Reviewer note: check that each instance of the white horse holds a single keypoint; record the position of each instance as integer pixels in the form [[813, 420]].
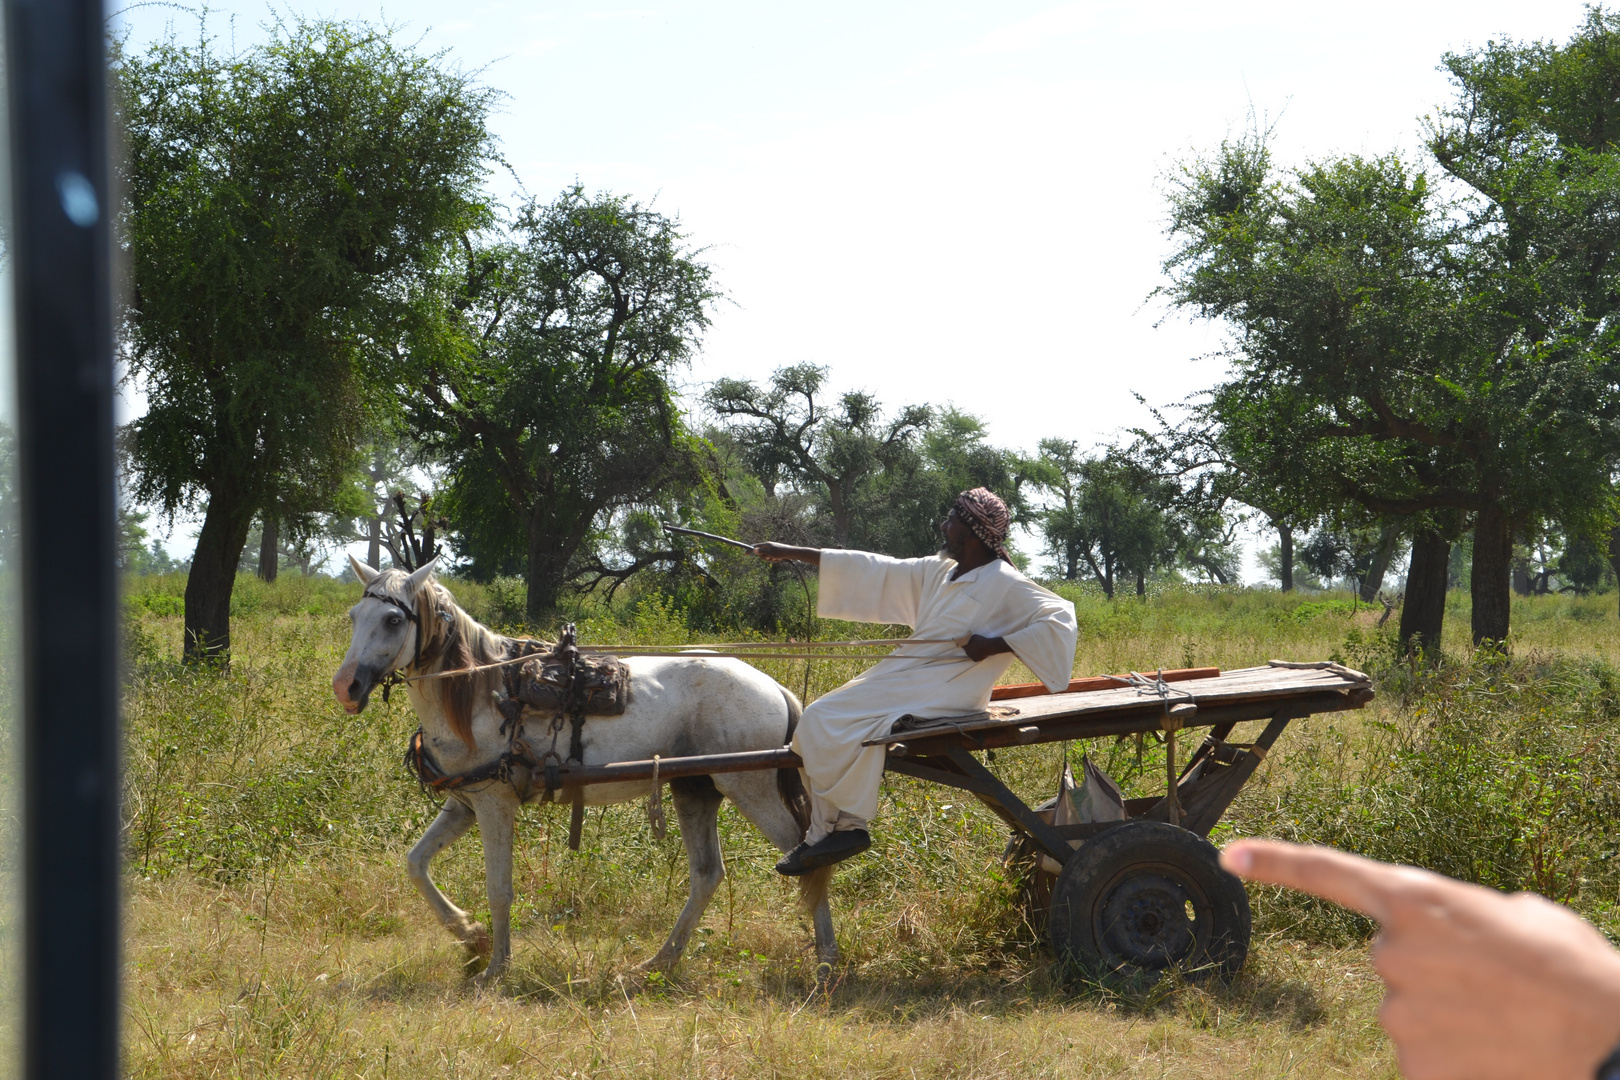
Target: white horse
[[677, 707]]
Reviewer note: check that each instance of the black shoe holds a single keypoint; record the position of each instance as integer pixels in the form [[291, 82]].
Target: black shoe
[[835, 847]]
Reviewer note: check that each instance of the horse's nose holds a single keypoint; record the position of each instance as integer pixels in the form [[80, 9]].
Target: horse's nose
[[346, 685]]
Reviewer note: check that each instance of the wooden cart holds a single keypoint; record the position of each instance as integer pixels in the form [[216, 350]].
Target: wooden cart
[[1144, 893]]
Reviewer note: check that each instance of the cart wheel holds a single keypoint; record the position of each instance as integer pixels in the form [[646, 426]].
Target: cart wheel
[[1147, 896]]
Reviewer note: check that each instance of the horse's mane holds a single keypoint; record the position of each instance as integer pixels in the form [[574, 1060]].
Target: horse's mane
[[449, 644]]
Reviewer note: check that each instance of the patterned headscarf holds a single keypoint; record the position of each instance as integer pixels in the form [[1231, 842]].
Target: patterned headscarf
[[983, 511]]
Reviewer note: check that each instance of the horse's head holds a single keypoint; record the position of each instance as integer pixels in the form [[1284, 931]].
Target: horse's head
[[386, 625]]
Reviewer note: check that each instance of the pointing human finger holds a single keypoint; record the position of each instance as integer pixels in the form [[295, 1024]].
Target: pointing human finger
[[1359, 884]]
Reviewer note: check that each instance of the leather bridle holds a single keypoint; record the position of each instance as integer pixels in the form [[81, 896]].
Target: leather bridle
[[416, 650]]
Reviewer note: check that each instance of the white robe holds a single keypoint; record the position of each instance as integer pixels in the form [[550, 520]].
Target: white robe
[[993, 600]]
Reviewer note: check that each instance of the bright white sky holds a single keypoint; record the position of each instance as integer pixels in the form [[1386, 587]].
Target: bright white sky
[[942, 201]]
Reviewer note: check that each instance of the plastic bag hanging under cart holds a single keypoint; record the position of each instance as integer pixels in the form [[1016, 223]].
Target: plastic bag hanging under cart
[[1096, 798]]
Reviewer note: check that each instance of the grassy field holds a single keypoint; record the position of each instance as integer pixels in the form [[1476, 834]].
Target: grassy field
[[272, 932]]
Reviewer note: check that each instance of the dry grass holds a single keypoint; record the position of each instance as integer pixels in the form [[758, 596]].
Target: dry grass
[[327, 971], [294, 946]]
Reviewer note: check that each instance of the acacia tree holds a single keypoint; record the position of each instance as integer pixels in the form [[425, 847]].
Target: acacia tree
[[279, 203], [1373, 361], [1217, 463], [554, 409], [901, 507], [1111, 519], [789, 435]]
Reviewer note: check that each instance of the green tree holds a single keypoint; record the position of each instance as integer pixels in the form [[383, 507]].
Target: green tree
[[1111, 520], [791, 438], [279, 205], [1371, 364], [553, 410]]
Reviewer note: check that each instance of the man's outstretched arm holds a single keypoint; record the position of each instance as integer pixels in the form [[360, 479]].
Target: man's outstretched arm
[[774, 552], [1479, 984]]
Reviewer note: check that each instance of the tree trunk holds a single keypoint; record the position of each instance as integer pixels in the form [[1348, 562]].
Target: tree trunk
[[374, 543], [1614, 551], [1380, 564], [269, 547], [547, 566], [1423, 613], [1521, 577], [1285, 556], [213, 576], [1490, 587], [1104, 576], [840, 513], [1141, 583]]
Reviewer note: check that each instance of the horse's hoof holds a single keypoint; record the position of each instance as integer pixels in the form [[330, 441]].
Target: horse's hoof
[[487, 979], [475, 939]]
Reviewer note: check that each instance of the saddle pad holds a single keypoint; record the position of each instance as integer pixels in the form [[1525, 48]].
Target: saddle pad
[[601, 687]]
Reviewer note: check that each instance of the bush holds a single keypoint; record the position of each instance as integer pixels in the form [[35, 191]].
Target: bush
[[1504, 772]]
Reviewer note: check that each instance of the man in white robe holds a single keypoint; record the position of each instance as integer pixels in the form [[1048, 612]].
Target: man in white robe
[[972, 599]]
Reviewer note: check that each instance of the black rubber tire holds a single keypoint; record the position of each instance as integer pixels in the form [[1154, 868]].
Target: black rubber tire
[[1147, 897]]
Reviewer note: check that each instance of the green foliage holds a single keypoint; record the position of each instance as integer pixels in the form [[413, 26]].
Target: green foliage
[[1505, 773], [1440, 360], [1114, 518], [545, 383], [280, 203], [138, 551], [787, 437]]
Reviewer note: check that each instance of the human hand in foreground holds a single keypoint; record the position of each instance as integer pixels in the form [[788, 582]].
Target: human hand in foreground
[[1479, 984]]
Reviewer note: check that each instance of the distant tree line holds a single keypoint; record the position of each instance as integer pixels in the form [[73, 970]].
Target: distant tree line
[[334, 324]]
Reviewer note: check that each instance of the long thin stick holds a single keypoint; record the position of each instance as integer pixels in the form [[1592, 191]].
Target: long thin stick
[[709, 536]]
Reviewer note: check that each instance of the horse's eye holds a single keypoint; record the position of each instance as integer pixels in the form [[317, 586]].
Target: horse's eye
[[394, 620]]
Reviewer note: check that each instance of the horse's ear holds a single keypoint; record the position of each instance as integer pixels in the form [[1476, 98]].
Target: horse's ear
[[365, 573], [419, 577]]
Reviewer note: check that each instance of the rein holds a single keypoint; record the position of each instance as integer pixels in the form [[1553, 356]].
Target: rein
[[762, 650]]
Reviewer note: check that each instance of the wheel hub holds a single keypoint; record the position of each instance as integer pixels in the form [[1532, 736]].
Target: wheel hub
[[1145, 920]]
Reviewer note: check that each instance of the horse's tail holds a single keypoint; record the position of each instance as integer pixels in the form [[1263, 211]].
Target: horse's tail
[[789, 784], [812, 886]]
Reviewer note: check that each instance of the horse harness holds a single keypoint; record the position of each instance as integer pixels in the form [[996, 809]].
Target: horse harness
[[558, 680], [394, 678]]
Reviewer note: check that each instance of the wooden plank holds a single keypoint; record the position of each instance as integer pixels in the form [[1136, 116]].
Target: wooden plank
[[1096, 682], [670, 768], [1245, 685], [1233, 697], [1118, 722]]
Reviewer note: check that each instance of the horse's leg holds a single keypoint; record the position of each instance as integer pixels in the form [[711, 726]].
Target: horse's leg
[[497, 819], [759, 797], [451, 825], [697, 807]]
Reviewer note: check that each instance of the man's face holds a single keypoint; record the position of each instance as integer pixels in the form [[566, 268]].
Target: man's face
[[957, 535]]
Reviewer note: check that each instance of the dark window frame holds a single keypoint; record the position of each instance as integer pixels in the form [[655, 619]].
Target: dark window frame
[[61, 251]]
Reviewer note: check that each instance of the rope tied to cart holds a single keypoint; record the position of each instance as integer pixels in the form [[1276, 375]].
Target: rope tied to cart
[[1175, 717], [1151, 684]]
